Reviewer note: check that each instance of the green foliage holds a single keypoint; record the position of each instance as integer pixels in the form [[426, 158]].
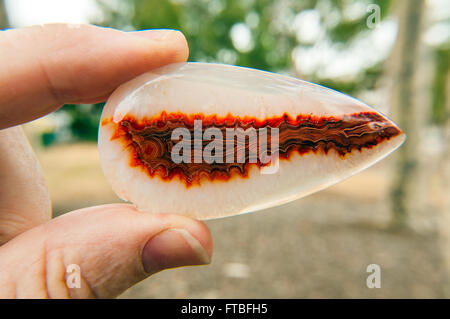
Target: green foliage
[[4, 23], [347, 29], [82, 121], [208, 26], [440, 94]]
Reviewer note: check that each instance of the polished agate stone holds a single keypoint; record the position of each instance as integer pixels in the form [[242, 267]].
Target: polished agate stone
[[211, 140]]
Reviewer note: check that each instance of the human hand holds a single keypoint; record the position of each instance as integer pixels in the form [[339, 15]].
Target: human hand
[[115, 246]]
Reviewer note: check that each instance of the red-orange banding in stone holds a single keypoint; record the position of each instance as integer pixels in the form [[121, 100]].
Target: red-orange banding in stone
[[149, 142]]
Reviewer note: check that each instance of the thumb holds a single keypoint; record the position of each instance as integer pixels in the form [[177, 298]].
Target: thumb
[[113, 247]]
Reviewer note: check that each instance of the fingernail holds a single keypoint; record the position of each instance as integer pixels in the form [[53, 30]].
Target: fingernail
[[157, 34], [173, 248]]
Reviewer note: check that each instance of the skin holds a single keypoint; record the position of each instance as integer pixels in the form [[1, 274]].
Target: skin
[[42, 68]]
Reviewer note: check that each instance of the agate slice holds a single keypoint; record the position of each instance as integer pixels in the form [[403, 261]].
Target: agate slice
[[211, 140]]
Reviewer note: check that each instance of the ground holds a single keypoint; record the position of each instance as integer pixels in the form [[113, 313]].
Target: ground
[[316, 247]]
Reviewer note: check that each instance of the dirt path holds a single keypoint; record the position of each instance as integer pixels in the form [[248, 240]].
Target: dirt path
[[318, 246], [314, 248]]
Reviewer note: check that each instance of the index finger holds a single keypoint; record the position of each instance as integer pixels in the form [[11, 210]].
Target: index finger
[[43, 67]]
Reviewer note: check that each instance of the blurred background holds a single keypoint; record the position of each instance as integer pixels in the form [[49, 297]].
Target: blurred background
[[393, 55]]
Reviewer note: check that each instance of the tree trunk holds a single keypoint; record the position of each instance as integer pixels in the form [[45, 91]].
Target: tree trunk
[[405, 103]]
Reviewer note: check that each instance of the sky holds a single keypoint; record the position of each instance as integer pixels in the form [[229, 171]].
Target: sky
[[27, 12]]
